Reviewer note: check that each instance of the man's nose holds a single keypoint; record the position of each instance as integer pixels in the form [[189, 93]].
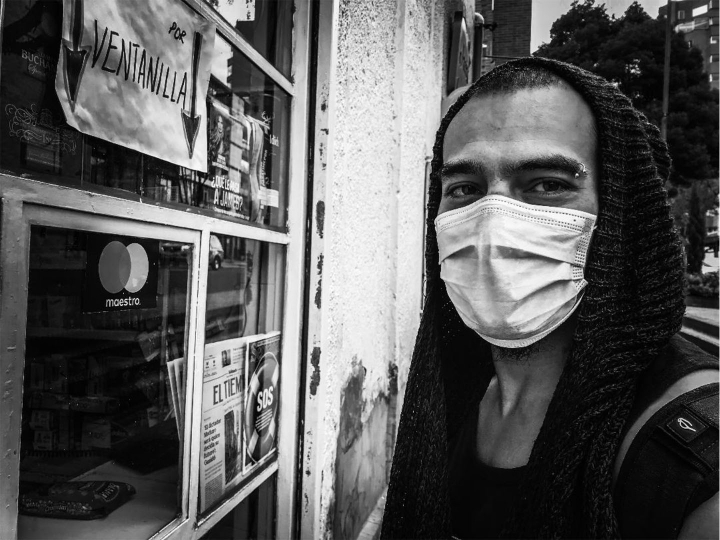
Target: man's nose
[[500, 186]]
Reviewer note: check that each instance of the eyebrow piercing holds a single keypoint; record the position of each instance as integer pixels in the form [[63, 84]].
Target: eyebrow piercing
[[582, 171]]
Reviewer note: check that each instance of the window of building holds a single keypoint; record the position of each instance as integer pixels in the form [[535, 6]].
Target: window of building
[[681, 15], [103, 403], [247, 176], [156, 301], [701, 10], [265, 24]]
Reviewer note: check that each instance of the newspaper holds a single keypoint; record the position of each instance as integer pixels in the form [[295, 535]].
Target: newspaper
[[222, 406], [239, 411]]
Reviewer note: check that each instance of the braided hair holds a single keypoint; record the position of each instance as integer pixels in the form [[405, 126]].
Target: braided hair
[[633, 305]]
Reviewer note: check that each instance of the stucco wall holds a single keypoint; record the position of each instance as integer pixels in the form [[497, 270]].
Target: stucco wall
[[384, 91]]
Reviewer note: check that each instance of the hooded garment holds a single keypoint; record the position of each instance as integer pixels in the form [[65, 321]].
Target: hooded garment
[[633, 305]]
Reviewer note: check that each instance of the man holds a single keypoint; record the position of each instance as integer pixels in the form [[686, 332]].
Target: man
[[555, 290]]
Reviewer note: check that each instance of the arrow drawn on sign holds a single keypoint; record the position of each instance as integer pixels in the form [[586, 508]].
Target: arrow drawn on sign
[[76, 56], [191, 120]]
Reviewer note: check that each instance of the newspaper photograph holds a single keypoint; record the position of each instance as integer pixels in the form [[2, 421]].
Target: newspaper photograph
[[223, 392]]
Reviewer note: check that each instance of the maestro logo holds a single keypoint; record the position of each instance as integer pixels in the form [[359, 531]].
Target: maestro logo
[[123, 267], [121, 273]]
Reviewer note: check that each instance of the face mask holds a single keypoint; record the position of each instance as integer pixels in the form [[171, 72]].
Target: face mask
[[513, 271]]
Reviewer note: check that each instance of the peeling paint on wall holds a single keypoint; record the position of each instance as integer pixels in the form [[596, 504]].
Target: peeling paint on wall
[[315, 377], [351, 407], [320, 218], [318, 289]]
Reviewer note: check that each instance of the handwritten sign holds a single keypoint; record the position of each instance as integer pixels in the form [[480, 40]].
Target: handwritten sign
[[136, 73]]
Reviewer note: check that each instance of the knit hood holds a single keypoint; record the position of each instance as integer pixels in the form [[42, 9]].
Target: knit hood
[[633, 305]]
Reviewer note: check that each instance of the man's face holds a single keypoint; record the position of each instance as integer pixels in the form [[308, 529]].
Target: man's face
[[537, 146]]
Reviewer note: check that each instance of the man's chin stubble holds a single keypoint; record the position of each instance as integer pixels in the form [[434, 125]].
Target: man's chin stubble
[[518, 355]]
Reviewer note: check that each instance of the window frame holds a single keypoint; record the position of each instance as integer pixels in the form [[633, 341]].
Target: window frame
[[18, 194]]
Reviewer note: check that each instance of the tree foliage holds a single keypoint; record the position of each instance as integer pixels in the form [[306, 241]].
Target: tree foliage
[[695, 234], [630, 51]]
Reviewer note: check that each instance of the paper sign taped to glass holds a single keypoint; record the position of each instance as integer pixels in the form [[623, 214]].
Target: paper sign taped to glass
[[136, 73]]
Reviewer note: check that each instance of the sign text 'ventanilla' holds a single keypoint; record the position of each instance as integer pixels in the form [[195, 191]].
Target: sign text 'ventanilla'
[[130, 60]]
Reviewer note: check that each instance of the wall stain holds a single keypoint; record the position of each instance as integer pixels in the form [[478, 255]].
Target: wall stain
[[320, 218], [361, 458], [318, 289], [315, 377], [351, 407]]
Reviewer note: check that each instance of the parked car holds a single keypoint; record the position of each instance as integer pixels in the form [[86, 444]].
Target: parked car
[[217, 253], [176, 251]]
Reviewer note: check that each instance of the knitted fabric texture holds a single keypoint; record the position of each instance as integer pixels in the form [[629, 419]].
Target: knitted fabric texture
[[633, 304]]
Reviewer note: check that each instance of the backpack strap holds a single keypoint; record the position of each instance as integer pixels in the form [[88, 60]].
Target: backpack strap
[[671, 466]]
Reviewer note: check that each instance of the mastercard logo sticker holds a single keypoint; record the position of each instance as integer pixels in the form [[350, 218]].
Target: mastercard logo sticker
[[123, 267]]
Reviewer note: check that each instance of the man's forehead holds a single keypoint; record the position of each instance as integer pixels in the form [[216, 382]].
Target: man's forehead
[[539, 110]]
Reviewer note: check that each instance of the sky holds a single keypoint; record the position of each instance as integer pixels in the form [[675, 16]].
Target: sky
[[546, 12]]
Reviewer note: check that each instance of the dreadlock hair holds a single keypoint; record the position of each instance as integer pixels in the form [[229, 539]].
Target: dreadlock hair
[[632, 305]]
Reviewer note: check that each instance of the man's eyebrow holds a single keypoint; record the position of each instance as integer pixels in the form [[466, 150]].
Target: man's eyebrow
[[553, 162], [469, 167]]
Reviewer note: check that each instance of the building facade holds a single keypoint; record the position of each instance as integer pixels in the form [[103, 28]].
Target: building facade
[[698, 20], [211, 259], [507, 30]]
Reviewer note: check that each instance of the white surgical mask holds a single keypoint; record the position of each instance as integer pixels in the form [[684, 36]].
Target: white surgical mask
[[513, 271]]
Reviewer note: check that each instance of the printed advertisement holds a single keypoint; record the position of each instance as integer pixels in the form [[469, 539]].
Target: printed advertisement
[[136, 73], [239, 151], [263, 399], [121, 273], [223, 391]]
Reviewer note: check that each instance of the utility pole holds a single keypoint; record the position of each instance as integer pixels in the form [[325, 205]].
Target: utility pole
[[669, 16]]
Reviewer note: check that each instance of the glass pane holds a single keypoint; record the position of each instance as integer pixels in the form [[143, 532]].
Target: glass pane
[[248, 130], [34, 136], [102, 419], [265, 24], [241, 365], [253, 519], [248, 140]]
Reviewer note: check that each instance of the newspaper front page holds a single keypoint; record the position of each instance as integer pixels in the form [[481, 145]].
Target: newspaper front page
[[223, 398]]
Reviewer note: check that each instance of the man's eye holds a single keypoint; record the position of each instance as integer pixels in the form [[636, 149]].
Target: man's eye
[[548, 186], [464, 190]]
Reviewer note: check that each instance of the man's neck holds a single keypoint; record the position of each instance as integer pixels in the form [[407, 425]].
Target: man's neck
[[526, 378], [516, 401]]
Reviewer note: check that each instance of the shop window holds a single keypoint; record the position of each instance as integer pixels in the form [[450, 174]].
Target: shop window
[[104, 385], [241, 364], [265, 24], [248, 128]]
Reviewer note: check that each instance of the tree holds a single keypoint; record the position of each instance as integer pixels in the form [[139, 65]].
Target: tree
[[695, 234], [630, 52]]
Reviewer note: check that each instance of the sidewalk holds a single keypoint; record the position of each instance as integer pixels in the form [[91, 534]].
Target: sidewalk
[[701, 326]]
